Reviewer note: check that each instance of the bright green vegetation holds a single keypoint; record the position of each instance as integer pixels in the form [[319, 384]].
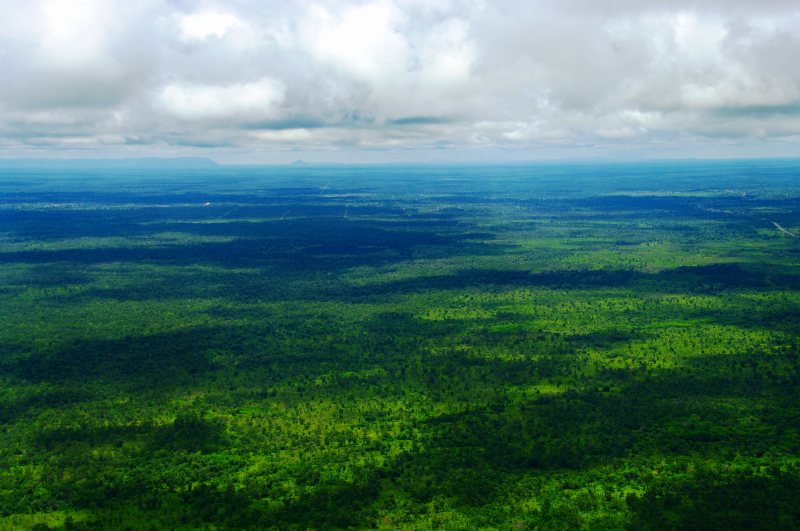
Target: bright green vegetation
[[556, 347]]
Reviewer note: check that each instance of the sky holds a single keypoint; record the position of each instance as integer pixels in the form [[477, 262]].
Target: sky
[[260, 81]]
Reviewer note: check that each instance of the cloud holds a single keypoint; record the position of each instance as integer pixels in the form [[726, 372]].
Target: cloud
[[363, 40], [204, 24], [411, 75], [240, 102]]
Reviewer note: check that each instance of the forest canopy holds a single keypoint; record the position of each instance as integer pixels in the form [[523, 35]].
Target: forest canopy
[[528, 347]]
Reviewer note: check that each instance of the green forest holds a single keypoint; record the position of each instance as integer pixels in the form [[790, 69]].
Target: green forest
[[596, 346]]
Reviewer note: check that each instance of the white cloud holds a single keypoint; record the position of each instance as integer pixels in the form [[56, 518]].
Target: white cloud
[[364, 39], [240, 102], [448, 54], [72, 34], [285, 135], [204, 24], [390, 74]]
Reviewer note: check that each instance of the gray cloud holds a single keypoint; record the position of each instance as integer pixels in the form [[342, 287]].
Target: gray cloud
[[264, 80]]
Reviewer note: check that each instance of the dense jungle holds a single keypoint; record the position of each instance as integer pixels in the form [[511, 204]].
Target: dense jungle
[[551, 346]]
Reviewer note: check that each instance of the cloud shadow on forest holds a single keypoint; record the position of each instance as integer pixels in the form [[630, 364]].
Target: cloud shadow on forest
[[473, 457]]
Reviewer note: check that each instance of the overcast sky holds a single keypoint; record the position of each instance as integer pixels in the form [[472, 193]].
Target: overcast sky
[[389, 80]]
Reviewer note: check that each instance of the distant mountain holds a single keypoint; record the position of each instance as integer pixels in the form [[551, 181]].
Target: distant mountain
[[187, 163]]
